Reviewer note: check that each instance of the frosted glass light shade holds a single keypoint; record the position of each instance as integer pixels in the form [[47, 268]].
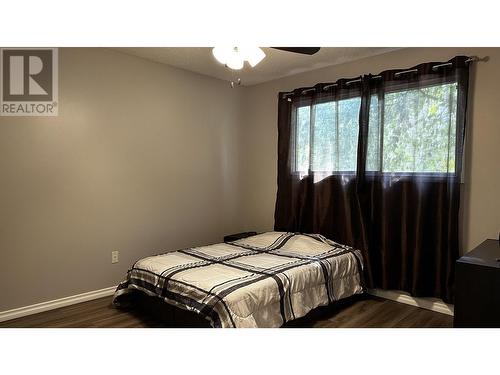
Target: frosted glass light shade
[[234, 60], [253, 55], [220, 54], [234, 57]]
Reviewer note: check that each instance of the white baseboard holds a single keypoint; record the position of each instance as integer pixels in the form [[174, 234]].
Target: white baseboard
[[55, 304], [433, 304]]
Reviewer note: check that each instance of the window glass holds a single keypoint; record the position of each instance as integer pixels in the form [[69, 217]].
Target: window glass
[[332, 145], [419, 130], [410, 131]]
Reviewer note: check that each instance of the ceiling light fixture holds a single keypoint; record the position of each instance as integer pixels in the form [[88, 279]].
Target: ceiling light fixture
[[234, 57]]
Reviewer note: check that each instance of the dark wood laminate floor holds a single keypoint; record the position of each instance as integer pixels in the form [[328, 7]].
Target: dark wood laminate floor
[[367, 312]]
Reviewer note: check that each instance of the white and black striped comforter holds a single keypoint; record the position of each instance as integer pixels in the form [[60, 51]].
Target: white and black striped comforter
[[259, 281]]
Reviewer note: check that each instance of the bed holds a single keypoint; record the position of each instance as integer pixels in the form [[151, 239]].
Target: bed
[[264, 280]]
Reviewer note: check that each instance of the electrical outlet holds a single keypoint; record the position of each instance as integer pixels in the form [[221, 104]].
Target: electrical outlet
[[114, 256]]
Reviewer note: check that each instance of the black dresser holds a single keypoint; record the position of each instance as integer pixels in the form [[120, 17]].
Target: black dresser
[[477, 287]]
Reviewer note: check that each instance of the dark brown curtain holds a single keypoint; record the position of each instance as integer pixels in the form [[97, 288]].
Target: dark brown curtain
[[375, 162]]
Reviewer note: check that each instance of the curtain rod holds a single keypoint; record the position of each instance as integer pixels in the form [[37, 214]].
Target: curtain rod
[[470, 59]]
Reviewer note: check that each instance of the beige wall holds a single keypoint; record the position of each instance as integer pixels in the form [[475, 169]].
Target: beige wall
[[143, 157], [481, 204]]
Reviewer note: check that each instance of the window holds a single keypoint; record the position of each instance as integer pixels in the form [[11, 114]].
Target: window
[[330, 144], [416, 131], [376, 161], [410, 131]]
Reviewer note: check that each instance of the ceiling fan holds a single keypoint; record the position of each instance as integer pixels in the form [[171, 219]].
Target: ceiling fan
[[235, 57], [301, 50]]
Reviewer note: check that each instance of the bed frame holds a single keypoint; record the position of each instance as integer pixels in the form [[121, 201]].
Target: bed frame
[[175, 317]]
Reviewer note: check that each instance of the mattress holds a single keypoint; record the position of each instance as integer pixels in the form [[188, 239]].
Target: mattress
[[259, 281]]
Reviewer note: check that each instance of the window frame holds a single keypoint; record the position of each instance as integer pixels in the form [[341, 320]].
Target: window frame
[[307, 102], [390, 87], [395, 87]]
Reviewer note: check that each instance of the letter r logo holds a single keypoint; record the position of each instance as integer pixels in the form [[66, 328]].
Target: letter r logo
[[29, 81], [27, 75]]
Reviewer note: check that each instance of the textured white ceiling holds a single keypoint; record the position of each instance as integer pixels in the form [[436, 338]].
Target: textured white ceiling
[[275, 65]]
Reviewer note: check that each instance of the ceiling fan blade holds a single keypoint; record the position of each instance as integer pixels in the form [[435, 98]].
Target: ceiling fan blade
[[302, 50]]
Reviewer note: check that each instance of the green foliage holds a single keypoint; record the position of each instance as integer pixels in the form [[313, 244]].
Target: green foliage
[[302, 140], [333, 136], [419, 130]]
